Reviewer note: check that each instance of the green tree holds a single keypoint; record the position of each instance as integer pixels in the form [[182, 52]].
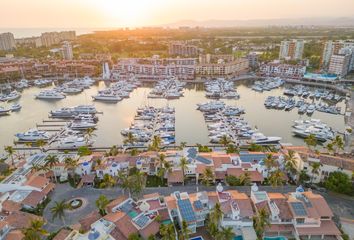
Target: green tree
[[208, 176], [303, 177], [101, 204], [330, 147], [225, 140], [89, 133], [232, 181], [167, 232], [84, 151], [231, 148], [35, 231], [225, 234], [10, 152], [276, 178], [183, 163], [130, 139], [311, 141], [134, 236], [71, 165], [40, 143], [50, 162], [338, 144], [260, 222], [315, 170], [290, 163], [245, 179], [182, 145], [339, 182], [269, 162], [156, 143], [58, 210], [184, 232], [107, 181]]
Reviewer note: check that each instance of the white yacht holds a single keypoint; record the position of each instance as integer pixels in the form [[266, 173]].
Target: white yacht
[[50, 94], [85, 109], [16, 107], [73, 142], [33, 135], [107, 97], [82, 125], [11, 96], [259, 138], [4, 111], [71, 90]]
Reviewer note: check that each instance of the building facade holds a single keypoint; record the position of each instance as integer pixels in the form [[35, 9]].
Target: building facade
[[340, 64], [67, 51], [182, 49], [7, 41], [222, 68], [282, 70], [292, 49], [51, 38]]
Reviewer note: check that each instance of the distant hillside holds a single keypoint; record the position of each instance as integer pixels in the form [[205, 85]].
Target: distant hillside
[[344, 21]]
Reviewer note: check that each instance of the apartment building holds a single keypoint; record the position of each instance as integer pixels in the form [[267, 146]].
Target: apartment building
[[291, 49], [282, 70], [222, 68], [29, 42], [51, 38], [156, 68], [182, 49], [340, 63], [67, 51], [334, 48], [7, 41]]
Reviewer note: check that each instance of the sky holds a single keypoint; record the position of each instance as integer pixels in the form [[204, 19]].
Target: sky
[[135, 13]]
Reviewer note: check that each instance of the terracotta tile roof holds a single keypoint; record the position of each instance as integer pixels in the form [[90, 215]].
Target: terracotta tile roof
[[151, 195], [280, 228], [151, 229], [88, 178], [221, 159], [226, 207], [236, 172], [284, 209], [2, 224], [256, 176], [171, 202], [37, 182], [50, 187], [33, 199], [164, 214], [320, 204], [88, 220], [245, 206], [10, 206], [62, 234], [117, 234], [154, 204], [14, 235], [175, 176], [116, 202], [327, 227], [246, 165], [114, 217], [220, 175], [261, 205], [19, 220], [125, 226]]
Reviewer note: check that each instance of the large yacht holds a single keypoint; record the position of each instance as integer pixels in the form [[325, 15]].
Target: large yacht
[[85, 109], [82, 125], [11, 96], [50, 94], [33, 135], [106, 97], [259, 138], [73, 142], [4, 111]]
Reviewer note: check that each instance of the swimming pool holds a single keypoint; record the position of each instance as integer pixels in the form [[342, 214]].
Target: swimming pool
[[275, 238], [197, 238], [132, 214], [238, 237]]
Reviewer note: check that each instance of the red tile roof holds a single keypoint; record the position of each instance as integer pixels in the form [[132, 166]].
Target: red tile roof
[[327, 227], [20, 220], [62, 234], [125, 226], [33, 199], [10, 206], [175, 176], [151, 229], [116, 202], [88, 220], [37, 182]]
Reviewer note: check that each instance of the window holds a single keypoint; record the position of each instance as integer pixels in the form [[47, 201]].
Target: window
[[300, 220]]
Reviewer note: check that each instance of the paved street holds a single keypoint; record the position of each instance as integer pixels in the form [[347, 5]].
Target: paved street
[[341, 205]]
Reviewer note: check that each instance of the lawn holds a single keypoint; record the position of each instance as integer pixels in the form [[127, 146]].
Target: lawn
[[155, 181]]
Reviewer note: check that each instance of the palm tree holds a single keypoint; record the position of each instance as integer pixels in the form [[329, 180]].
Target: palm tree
[[184, 232], [315, 170], [39, 168], [107, 181], [245, 179], [311, 141], [225, 140], [276, 178], [89, 134], [113, 151], [134, 236], [58, 210], [168, 232], [338, 143], [50, 162], [260, 222], [101, 204], [137, 182], [156, 143], [10, 152], [183, 163], [208, 176], [290, 163], [35, 231], [130, 139], [40, 143], [225, 234], [216, 214], [269, 162], [330, 147], [123, 182], [71, 165], [182, 145]]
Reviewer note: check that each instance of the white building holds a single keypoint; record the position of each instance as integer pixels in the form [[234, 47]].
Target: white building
[[340, 64], [67, 51], [282, 70], [7, 41], [292, 49], [333, 48]]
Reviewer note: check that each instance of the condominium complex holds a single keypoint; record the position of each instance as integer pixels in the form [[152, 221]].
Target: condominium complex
[[29, 42], [333, 48], [340, 64], [7, 41], [182, 49], [282, 70], [223, 68], [67, 51], [51, 38], [156, 68], [338, 57], [292, 49]]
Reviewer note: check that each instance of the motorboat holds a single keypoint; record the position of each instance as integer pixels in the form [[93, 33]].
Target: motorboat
[[50, 95], [15, 107], [11, 96], [4, 111], [33, 135], [259, 138], [82, 125], [85, 109], [107, 97], [73, 142]]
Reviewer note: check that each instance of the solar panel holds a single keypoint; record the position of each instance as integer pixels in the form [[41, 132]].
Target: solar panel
[[126, 207], [203, 160], [299, 209], [245, 157], [142, 220], [198, 204], [186, 210], [192, 152]]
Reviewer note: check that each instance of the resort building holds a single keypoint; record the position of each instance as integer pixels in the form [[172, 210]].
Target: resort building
[[282, 70], [334, 48], [67, 51], [182, 49], [291, 49], [222, 68], [340, 63], [156, 68], [7, 41]]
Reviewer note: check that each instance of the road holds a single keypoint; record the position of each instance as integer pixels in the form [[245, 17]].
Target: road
[[341, 205]]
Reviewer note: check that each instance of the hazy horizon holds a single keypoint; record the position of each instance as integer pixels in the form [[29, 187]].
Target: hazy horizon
[[137, 13]]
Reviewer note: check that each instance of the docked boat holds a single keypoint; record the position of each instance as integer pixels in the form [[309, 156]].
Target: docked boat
[[11, 96], [50, 95], [259, 138], [33, 135], [73, 142], [82, 125], [106, 97], [85, 109], [4, 111], [16, 107]]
